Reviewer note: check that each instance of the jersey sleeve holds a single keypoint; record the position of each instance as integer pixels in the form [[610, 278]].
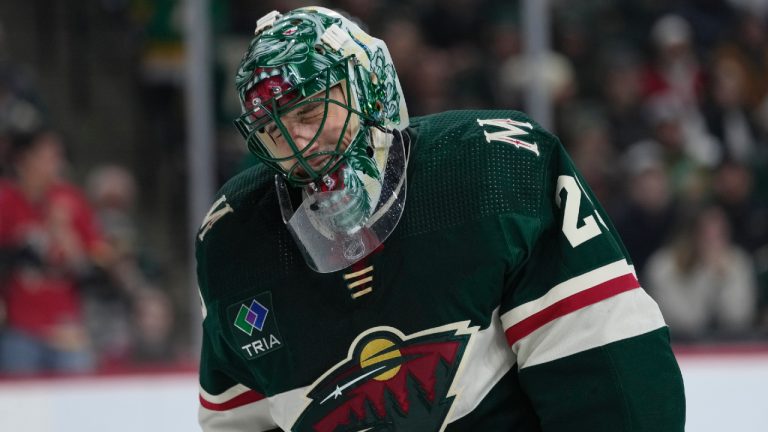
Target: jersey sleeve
[[226, 405], [592, 348], [228, 402], [231, 398]]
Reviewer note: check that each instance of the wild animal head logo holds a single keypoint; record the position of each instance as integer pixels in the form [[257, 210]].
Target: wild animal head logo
[[389, 382]]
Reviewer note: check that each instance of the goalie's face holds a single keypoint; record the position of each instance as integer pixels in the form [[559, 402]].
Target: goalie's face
[[309, 138], [301, 130]]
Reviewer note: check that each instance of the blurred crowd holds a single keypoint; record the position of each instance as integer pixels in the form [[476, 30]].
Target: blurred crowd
[[663, 106], [77, 293]]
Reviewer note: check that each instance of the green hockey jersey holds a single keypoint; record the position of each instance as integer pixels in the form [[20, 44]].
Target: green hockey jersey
[[503, 301]]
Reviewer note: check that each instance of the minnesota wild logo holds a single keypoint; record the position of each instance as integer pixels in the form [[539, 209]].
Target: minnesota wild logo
[[388, 382]]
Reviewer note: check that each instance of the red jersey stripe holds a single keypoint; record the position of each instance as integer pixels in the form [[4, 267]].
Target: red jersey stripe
[[242, 399], [570, 304]]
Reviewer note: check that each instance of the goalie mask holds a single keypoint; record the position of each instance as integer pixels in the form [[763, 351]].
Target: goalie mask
[[323, 107]]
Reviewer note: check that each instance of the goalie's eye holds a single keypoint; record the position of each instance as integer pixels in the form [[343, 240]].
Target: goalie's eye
[[312, 110], [273, 131]]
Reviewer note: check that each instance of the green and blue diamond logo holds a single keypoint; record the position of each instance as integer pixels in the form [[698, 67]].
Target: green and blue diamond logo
[[251, 317]]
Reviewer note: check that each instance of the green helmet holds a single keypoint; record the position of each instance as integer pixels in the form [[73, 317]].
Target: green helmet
[[294, 60], [322, 105]]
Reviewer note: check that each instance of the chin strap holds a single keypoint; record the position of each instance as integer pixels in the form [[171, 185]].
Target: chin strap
[[405, 139], [283, 198]]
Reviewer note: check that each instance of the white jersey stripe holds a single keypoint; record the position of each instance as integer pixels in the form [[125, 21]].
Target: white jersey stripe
[[622, 316], [566, 289], [491, 359], [235, 409], [251, 417]]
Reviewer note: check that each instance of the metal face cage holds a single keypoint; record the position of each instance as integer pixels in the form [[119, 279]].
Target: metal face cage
[[263, 121]]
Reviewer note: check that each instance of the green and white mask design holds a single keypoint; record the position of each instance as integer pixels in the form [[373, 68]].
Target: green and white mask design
[[320, 102]]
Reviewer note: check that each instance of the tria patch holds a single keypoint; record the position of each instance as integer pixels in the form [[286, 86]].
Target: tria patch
[[254, 326]]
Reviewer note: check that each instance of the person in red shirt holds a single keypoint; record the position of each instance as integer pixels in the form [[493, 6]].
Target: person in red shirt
[[49, 240]]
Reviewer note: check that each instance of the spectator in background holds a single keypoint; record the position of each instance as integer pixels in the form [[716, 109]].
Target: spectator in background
[[16, 115], [675, 77], [704, 284], [732, 187], [687, 172], [20, 106], [591, 149], [107, 300], [622, 97], [112, 190], [727, 111], [675, 68], [152, 324], [129, 317], [518, 73], [748, 44], [646, 219], [504, 42], [49, 234]]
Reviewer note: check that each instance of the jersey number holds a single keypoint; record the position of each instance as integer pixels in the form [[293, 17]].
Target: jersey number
[[575, 234]]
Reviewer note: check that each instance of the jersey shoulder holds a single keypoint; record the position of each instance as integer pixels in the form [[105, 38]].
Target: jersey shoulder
[[242, 196], [471, 165], [497, 129], [244, 212], [243, 189]]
